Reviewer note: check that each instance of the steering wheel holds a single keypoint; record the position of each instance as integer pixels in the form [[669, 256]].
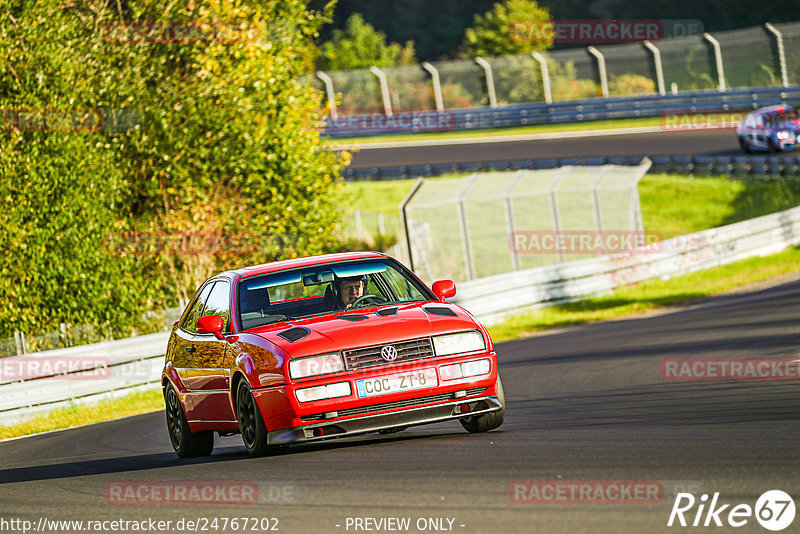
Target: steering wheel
[[369, 298]]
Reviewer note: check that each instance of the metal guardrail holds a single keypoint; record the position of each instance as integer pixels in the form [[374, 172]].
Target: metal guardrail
[[133, 364], [493, 298], [33, 384], [787, 166], [592, 109]]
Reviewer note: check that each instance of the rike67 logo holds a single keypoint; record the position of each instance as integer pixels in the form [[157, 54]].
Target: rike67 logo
[[774, 510]]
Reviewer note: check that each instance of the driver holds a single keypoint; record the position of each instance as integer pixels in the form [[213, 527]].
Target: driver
[[348, 290]]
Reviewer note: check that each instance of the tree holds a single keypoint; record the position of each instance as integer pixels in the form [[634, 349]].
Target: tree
[[360, 46], [219, 147], [511, 27]]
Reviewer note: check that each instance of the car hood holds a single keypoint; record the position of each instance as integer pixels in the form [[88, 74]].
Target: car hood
[[329, 333]]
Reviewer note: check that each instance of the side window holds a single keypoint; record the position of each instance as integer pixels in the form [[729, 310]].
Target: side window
[[218, 303], [190, 323]]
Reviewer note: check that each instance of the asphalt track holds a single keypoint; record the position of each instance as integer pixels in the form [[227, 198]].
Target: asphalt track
[[583, 404], [717, 142]]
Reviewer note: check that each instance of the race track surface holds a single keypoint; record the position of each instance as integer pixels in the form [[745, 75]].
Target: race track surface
[[587, 404], [707, 142]]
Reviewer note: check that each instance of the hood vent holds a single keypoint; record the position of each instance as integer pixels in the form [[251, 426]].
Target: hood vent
[[352, 317], [440, 310], [386, 311], [293, 334]]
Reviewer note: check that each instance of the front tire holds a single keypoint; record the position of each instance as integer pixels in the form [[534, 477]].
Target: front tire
[[772, 148], [185, 443], [251, 424], [487, 421]]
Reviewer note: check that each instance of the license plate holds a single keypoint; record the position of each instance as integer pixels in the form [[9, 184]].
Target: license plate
[[424, 378]]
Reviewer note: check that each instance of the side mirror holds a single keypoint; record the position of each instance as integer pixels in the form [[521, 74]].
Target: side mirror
[[444, 289], [210, 324]]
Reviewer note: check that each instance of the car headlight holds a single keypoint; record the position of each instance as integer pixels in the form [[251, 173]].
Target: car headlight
[[783, 135], [316, 365], [457, 343], [329, 391]]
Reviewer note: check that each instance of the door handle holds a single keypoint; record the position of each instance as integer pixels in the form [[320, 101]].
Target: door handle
[[190, 349]]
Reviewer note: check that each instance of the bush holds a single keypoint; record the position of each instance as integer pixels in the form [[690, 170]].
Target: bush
[[219, 141], [565, 84], [630, 84]]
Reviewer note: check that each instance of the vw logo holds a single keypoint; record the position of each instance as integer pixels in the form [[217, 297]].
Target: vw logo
[[389, 353]]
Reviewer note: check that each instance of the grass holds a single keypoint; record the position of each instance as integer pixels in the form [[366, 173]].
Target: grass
[[75, 415], [651, 295], [672, 205], [520, 130], [676, 205]]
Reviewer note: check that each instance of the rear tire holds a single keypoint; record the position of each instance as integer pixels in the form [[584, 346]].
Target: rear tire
[[745, 146], [185, 443], [487, 421], [251, 424]]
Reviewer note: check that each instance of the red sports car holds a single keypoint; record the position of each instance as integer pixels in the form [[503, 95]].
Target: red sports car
[[323, 347]]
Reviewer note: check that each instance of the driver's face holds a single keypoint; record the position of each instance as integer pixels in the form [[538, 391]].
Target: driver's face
[[350, 290]]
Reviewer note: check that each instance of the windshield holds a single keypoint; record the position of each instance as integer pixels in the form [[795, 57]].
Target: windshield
[[787, 118], [324, 289]]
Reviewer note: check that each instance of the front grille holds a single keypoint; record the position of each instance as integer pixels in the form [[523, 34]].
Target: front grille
[[408, 403], [371, 356]]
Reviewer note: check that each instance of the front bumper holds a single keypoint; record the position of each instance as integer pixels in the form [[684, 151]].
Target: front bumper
[[373, 423]]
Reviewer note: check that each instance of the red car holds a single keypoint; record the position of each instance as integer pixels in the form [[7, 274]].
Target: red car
[[323, 347]]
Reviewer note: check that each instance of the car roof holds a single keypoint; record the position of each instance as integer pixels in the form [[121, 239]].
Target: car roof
[[773, 109], [299, 262]]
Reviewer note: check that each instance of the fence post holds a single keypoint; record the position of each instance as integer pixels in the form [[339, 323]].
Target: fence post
[[637, 222], [554, 206], [515, 262], [437, 85], [329, 91], [781, 52], [548, 95], [19, 341], [659, 67], [359, 225], [404, 218], [718, 58], [598, 216], [381, 225], [387, 102], [463, 221], [601, 67], [489, 80]]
